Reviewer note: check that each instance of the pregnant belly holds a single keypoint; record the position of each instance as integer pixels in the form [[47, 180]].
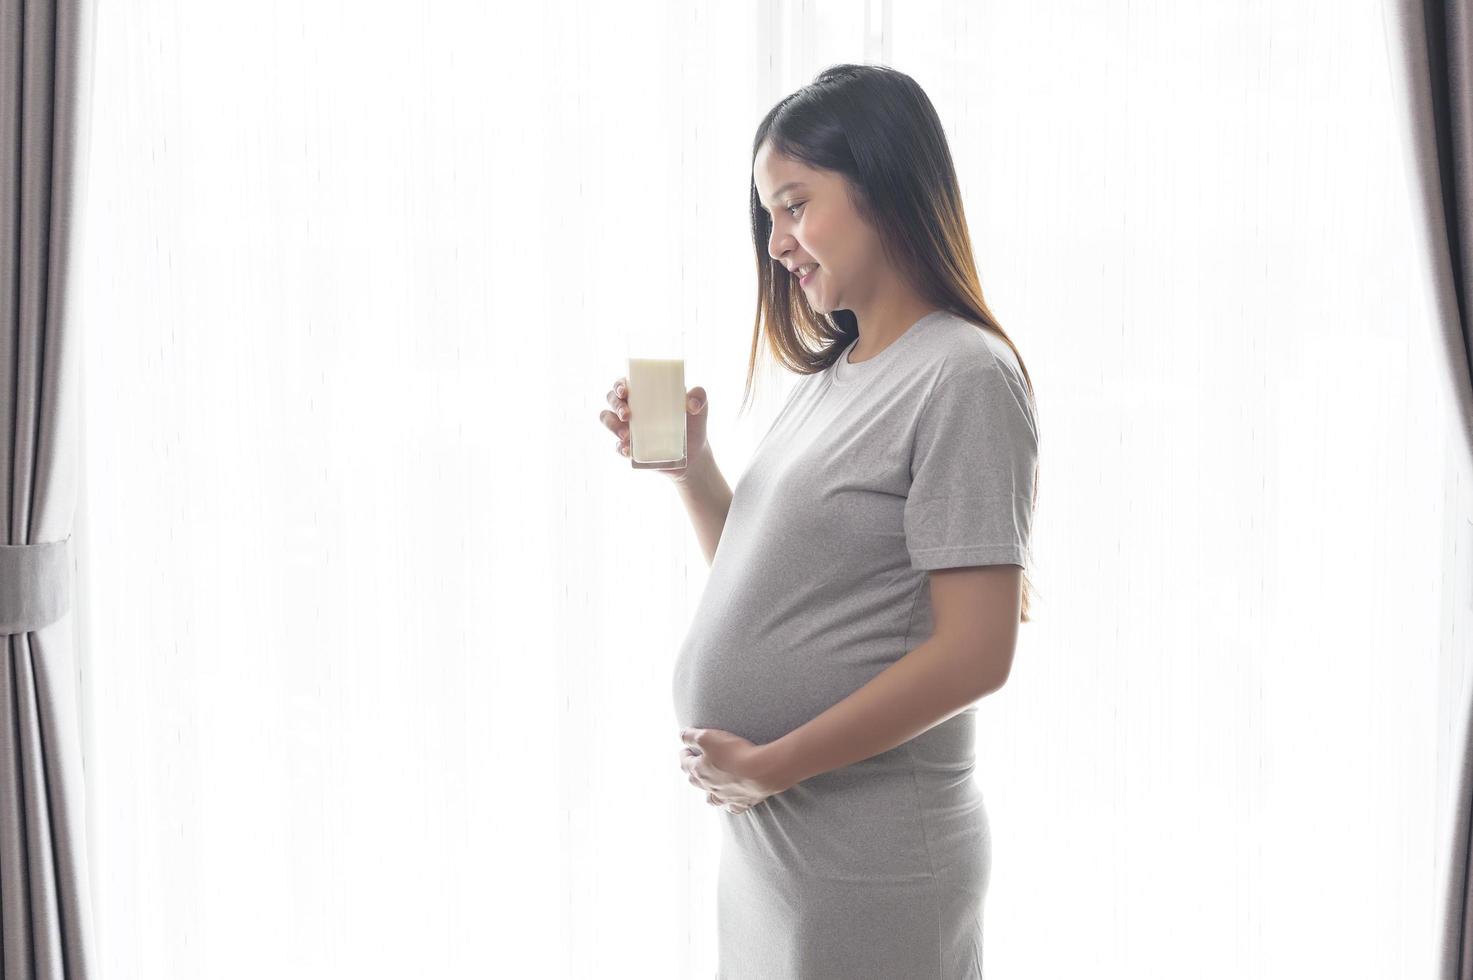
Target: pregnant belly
[[762, 691], [762, 695]]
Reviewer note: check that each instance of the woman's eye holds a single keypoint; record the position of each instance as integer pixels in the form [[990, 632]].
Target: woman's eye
[[790, 208]]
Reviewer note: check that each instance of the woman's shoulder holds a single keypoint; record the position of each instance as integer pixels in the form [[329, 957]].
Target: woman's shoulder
[[962, 347]]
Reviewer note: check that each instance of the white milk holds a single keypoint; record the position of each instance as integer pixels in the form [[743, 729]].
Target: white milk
[[656, 413]]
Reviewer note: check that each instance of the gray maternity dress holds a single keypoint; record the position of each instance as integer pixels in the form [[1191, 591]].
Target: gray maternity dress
[[920, 457]]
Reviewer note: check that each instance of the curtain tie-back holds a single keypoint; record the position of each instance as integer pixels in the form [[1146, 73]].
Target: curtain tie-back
[[35, 585]]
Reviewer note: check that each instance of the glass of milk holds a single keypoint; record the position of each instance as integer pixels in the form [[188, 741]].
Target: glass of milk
[[657, 407]]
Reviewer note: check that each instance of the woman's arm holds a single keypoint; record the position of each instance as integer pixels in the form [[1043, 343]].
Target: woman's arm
[[938, 679], [707, 499]]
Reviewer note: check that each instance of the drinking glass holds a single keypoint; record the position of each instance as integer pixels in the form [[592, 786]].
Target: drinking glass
[[657, 408]]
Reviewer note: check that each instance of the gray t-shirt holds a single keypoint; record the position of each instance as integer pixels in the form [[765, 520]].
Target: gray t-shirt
[[920, 457]]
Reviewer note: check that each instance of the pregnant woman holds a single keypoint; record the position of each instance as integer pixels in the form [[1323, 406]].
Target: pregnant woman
[[867, 573]]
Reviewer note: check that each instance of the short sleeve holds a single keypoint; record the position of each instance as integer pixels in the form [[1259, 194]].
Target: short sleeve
[[972, 469]]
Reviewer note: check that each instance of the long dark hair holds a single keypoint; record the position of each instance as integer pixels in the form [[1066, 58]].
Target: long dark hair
[[877, 128]]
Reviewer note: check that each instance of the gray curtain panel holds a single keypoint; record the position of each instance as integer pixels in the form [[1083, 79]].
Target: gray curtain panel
[[1450, 101], [1436, 52], [45, 901]]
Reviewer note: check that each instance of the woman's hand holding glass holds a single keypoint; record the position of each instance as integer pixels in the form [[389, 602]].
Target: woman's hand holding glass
[[616, 419]]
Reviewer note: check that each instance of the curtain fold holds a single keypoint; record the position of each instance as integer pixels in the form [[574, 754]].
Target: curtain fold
[[1432, 50], [1449, 63], [45, 902]]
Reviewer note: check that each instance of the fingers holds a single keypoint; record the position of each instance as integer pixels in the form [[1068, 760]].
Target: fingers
[[618, 428], [616, 417], [618, 399], [688, 763], [728, 807], [689, 759]]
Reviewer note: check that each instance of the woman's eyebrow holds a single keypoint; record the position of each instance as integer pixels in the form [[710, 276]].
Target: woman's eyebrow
[[778, 193]]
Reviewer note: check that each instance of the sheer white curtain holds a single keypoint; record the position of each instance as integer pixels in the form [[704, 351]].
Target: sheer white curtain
[[378, 628]]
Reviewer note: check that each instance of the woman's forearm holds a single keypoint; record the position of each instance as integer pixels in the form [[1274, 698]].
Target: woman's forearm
[[707, 499], [919, 691]]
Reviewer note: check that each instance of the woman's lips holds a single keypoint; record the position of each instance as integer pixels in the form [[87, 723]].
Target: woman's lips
[[804, 281]]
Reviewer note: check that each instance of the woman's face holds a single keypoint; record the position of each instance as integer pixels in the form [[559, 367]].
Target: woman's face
[[814, 221]]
